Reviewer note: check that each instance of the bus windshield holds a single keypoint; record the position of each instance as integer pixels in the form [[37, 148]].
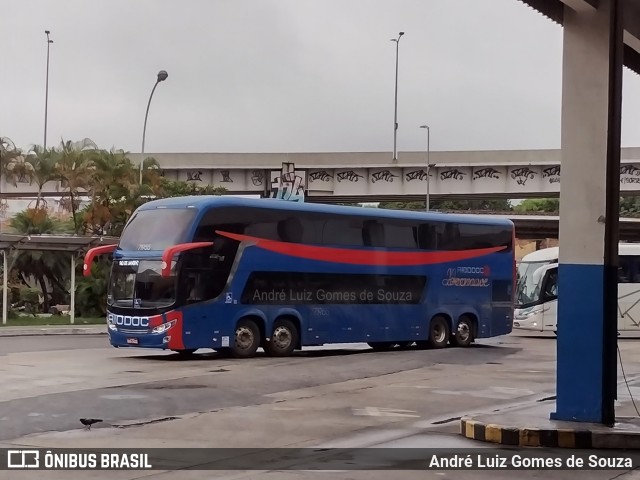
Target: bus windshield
[[156, 229], [528, 286], [138, 283]]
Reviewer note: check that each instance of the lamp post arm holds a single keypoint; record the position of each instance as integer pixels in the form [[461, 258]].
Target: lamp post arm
[[144, 130]]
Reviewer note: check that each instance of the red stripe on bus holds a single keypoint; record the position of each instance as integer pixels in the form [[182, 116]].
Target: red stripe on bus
[[361, 257], [176, 341]]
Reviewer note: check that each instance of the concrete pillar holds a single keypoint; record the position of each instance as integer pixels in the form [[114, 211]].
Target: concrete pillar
[[589, 202]]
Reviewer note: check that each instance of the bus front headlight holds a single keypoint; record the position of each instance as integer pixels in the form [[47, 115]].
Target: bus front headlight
[[164, 327], [528, 312]]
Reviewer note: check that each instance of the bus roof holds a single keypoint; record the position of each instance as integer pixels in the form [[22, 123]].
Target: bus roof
[[551, 253], [205, 201]]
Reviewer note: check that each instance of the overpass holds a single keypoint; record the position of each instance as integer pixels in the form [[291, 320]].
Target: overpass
[[541, 227], [373, 176]]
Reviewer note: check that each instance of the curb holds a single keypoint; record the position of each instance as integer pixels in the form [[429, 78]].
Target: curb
[[549, 437], [26, 332]]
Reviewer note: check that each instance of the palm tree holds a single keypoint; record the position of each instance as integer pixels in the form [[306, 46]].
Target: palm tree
[[37, 264], [74, 168], [112, 186], [8, 152], [44, 167]]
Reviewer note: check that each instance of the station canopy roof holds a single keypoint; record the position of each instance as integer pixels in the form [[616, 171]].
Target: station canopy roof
[[60, 243]]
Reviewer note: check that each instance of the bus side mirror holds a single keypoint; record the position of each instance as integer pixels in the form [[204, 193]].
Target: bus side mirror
[[169, 253], [91, 254]]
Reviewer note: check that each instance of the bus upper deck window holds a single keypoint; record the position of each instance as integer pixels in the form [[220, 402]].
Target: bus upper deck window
[[290, 230]]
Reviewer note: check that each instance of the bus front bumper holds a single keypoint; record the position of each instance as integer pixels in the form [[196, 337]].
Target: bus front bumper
[[528, 319], [140, 340]]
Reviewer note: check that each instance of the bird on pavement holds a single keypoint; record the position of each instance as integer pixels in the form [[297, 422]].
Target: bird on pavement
[[89, 421]]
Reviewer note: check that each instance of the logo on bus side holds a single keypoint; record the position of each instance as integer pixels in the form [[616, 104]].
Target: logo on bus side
[[484, 271], [453, 280], [127, 321]]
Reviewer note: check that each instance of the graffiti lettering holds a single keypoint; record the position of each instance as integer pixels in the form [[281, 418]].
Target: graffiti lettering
[[486, 173], [453, 174], [288, 186], [349, 175], [385, 175], [194, 175], [226, 178], [416, 175], [521, 175], [552, 173], [630, 170], [320, 175], [257, 177]]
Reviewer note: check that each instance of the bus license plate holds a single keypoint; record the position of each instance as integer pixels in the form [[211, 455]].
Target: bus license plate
[[133, 341]]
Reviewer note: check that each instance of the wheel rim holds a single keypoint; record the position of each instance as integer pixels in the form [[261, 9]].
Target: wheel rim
[[464, 332], [281, 338], [244, 338], [438, 333]]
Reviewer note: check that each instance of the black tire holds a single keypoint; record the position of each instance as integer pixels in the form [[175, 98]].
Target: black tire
[[283, 339], [246, 339], [438, 333], [463, 335], [381, 346]]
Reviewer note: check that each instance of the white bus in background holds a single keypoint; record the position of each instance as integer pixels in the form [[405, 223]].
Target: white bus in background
[[536, 304]]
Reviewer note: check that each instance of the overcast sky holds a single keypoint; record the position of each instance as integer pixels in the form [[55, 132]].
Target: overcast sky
[[286, 75]]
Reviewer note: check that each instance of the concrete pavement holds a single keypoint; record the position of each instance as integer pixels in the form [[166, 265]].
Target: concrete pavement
[[341, 397]]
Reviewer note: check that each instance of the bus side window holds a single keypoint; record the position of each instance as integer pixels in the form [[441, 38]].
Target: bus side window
[[551, 285], [451, 238], [373, 234], [428, 236], [290, 230], [625, 271]]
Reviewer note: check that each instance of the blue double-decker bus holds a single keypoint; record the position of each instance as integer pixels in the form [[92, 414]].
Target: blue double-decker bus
[[237, 274]]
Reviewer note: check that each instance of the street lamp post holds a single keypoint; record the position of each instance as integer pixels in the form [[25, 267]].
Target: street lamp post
[[46, 92], [395, 111], [162, 76], [429, 165]]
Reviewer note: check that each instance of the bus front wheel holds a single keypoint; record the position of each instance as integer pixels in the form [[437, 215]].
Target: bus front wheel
[[246, 340], [283, 339], [438, 332], [463, 334]]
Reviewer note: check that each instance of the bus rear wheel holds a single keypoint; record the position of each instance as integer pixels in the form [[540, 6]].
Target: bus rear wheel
[[283, 339], [463, 334], [246, 339], [438, 333]]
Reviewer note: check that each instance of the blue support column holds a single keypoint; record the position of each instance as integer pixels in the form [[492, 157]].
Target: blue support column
[[589, 204]]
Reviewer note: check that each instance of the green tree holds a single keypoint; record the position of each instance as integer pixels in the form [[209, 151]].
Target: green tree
[[493, 205], [546, 205], [43, 266], [113, 187], [43, 161], [179, 188], [74, 170], [403, 205], [91, 292], [629, 206]]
